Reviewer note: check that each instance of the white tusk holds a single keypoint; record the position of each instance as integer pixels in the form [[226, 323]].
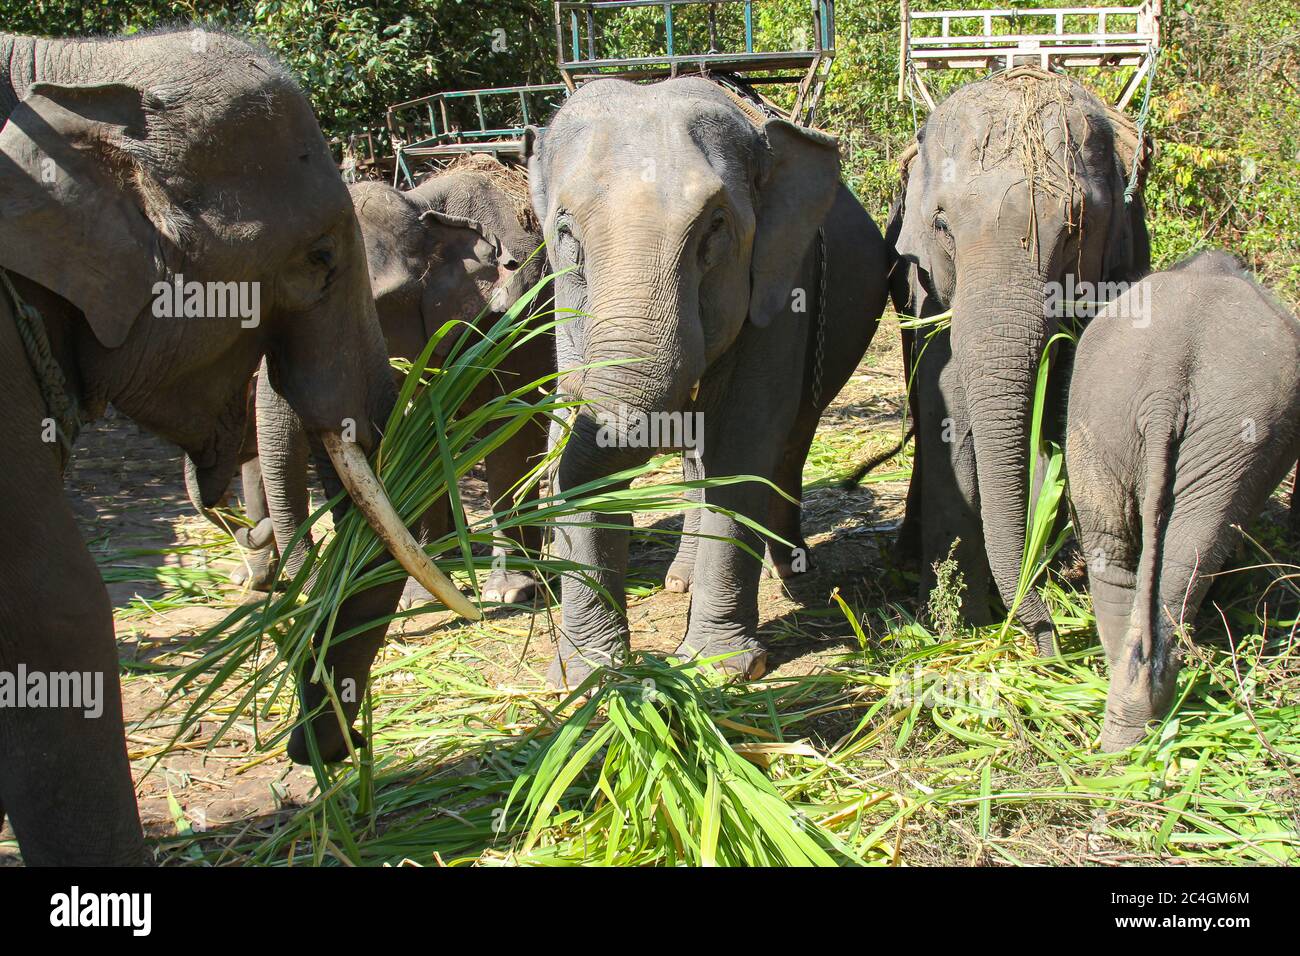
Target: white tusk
[[368, 494], [695, 391]]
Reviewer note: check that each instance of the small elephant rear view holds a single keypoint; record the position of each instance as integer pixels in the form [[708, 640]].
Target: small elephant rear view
[[1184, 416]]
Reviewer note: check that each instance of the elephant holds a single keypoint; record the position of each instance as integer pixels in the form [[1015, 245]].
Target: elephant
[[690, 234], [463, 245], [1184, 416], [1019, 184], [134, 172]]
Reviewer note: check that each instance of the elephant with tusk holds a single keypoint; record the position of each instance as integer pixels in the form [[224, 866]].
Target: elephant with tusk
[[131, 171]]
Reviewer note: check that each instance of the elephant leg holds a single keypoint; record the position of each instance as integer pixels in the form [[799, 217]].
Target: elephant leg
[[1144, 660], [260, 554], [950, 514], [283, 452], [724, 596], [505, 467], [65, 782], [593, 619], [783, 517], [908, 541], [682, 570], [593, 631], [348, 662]]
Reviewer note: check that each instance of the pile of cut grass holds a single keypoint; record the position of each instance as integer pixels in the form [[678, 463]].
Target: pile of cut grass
[[925, 744], [913, 749]]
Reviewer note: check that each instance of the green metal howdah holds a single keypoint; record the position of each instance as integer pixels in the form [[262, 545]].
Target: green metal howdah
[[698, 36], [450, 124], [724, 39]]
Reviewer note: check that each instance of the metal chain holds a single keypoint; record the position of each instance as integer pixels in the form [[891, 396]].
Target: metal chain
[[819, 355], [59, 403]]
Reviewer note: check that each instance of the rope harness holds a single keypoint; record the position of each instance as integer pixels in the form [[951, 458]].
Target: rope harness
[[59, 403], [1139, 159]]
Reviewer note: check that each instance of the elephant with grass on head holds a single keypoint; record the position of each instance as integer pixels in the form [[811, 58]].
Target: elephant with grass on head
[[1016, 191], [126, 164], [462, 246], [684, 226], [1184, 416]]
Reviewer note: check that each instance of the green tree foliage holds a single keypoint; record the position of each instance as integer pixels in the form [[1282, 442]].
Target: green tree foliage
[[1225, 104]]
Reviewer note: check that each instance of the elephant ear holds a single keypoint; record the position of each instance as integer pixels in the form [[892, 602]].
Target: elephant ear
[[72, 217], [456, 228], [1127, 256], [794, 195], [910, 240], [452, 241], [532, 159]]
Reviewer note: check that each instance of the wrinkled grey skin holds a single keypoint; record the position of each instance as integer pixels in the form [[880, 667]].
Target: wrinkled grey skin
[[1178, 430], [167, 160], [688, 230], [971, 237], [454, 248]]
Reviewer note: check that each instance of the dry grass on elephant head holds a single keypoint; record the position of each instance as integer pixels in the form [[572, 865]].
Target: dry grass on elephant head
[[510, 180]]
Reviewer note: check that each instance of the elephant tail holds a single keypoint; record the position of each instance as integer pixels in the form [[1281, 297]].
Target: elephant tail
[[1161, 439], [875, 461]]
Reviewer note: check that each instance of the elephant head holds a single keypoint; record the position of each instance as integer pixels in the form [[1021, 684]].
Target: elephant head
[[428, 266], [677, 217], [180, 195], [1017, 182]]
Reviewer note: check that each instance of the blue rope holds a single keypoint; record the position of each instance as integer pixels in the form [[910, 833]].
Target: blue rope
[[1138, 154]]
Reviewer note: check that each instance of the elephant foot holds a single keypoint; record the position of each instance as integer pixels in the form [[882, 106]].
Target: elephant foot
[[1116, 736], [747, 661], [415, 594], [572, 665], [257, 571], [679, 577], [329, 741], [510, 587], [786, 563], [1045, 640]]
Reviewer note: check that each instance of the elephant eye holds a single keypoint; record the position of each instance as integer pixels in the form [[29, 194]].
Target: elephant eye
[[941, 230], [567, 244], [714, 242], [323, 257]]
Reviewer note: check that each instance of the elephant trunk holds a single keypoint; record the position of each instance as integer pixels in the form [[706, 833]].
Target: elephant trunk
[[342, 391], [999, 331], [642, 356]]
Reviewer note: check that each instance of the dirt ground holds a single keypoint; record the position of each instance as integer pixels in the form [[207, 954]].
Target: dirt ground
[[126, 490]]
